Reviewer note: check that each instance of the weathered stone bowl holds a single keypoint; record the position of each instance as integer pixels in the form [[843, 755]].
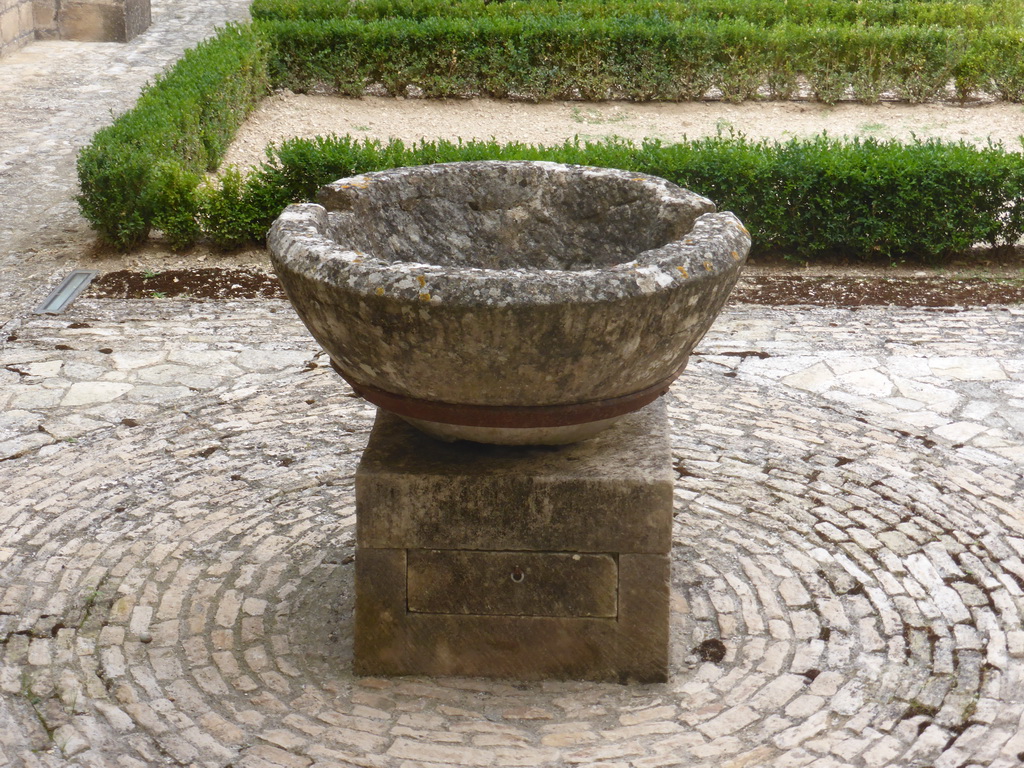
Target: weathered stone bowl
[[508, 302]]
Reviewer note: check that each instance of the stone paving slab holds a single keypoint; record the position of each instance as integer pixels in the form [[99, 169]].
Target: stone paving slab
[[176, 579]]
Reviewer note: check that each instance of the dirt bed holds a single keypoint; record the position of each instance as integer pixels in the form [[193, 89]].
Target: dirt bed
[[776, 287]]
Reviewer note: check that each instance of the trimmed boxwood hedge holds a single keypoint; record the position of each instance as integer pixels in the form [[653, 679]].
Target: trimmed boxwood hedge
[[941, 13], [143, 171], [548, 57], [888, 200], [804, 198], [650, 49]]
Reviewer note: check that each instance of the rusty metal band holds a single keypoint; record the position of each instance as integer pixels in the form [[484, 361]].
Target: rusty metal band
[[511, 416]]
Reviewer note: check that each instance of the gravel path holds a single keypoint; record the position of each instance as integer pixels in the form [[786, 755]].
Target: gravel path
[[287, 115]]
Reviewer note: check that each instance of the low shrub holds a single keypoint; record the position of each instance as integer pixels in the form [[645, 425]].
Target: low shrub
[[547, 57], [802, 198], [996, 63], [763, 13], [142, 171]]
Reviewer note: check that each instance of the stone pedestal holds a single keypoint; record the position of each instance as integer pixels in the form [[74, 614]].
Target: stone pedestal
[[515, 562]]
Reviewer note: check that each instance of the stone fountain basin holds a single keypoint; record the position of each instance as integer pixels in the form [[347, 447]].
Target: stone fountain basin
[[508, 302]]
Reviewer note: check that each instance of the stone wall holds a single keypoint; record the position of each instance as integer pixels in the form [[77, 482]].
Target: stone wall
[[85, 20], [16, 24], [46, 14], [91, 20]]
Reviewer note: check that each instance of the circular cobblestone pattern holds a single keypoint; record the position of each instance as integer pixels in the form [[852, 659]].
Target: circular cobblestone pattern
[[179, 592]]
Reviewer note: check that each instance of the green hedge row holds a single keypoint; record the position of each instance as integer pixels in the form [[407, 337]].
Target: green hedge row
[[561, 57], [865, 199], [968, 15], [143, 171]]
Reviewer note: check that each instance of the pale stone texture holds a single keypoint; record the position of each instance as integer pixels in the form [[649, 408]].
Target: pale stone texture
[[22, 21], [90, 392], [16, 25], [507, 286], [116, 21], [515, 562]]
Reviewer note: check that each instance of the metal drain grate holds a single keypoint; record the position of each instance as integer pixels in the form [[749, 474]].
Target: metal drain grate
[[68, 290]]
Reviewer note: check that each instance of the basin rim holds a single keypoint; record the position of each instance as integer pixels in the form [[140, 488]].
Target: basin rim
[[301, 242]]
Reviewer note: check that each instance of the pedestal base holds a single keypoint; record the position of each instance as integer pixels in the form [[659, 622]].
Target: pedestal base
[[515, 562]]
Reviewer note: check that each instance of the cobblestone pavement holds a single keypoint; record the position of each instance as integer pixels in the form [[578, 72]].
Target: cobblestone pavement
[[178, 535]]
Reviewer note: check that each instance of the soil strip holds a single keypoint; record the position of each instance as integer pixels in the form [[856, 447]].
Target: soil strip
[[778, 289]]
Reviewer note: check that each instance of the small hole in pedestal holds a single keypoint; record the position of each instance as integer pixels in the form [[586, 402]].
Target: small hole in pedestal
[[517, 575]]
